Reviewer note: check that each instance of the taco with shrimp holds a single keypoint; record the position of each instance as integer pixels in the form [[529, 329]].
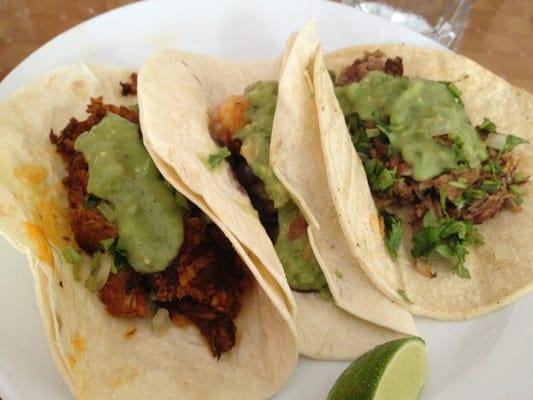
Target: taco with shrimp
[[427, 157], [220, 123], [143, 291]]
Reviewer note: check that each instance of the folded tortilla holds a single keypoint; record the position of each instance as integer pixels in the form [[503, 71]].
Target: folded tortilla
[[176, 92], [495, 281], [100, 356]]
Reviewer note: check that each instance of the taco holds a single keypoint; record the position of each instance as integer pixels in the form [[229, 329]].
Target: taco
[[432, 195], [144, 293], [213, 119]]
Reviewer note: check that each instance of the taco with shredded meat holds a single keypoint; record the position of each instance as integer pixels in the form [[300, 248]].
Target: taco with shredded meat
[[427, 156], [251, 126], [144, 292]]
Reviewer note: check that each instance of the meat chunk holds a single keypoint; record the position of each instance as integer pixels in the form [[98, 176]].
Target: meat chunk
[[481, 210], [372, 61], [129, 88], [297, 227], [205, 283], [394, 66], [218, 328], [124, 295], [228, 118], [207, 269]]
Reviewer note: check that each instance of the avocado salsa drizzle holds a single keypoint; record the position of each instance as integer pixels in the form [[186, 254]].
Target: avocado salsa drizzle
[[249, 143], [425, 160]]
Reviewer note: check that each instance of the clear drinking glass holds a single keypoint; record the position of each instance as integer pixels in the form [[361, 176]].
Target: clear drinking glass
[[442, 20]]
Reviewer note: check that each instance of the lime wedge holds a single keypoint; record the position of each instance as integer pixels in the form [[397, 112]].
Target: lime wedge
[[392, 371]]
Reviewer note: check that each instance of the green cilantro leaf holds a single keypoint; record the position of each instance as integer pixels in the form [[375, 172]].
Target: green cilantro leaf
[[511, 142], [383, 127], [446, 237], [487, 126], [91, 201], [393, 232], [442, 200], [216, 159], [520, 177], [490, 186], [358, 134], [379, 177], [454, 89], [473, 194]]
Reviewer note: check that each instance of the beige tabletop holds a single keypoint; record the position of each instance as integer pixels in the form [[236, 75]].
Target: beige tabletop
[[498, 33]]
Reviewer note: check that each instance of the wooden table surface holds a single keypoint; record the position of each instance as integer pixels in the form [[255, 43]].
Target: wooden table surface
[[498, 33]]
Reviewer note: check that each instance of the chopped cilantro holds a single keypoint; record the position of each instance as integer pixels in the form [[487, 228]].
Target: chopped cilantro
[[379, 177], [460, 202], [490, 186], [459, 184], [338, 274], [382, 126], [519, 177], [517, 192], [493, 167], [511, 142], [473, 194], [108, 243], [358, 134], [216, 159], [393, 232], [91, 201], [452, 87], [446, 237], [403, 295], [442, 200], [487, 126]]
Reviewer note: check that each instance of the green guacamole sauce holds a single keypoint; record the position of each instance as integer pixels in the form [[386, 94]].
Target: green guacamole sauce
[[145, 209], [418, 110], [297, 257], [300, 265], [255, 137]]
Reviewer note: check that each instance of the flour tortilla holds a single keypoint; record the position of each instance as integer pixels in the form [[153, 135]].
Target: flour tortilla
[[176, 90], [495, 281], [99, 356]]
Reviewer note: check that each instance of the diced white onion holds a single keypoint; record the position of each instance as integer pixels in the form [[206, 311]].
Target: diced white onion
[[100, 278], [496, 141], [161, 322]]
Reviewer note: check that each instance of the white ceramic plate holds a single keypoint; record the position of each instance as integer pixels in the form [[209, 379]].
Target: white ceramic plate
[[489, 358]]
